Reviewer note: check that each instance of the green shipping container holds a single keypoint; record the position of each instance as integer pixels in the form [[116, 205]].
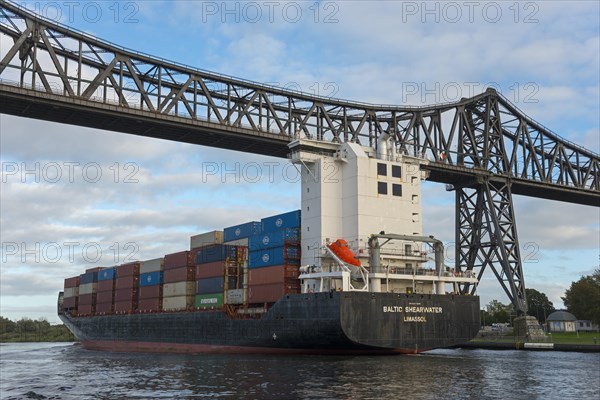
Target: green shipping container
[[209, 300]]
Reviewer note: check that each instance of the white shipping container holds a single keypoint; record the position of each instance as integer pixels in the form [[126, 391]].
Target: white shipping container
[[151, 265], [88, 288], [71, 292], [184, 288], [235, 296], [238, 242], [204, 239], [177, 303]]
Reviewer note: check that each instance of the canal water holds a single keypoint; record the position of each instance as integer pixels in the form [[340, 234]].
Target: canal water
[[67, 371]]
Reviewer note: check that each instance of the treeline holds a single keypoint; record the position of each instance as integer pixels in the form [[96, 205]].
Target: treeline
[[582, 300], [29, 330]]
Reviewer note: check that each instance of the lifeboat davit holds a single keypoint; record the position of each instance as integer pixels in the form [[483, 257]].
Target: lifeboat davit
[[341, 249]]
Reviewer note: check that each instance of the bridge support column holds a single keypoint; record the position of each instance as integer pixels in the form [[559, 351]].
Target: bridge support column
[[486, 236]]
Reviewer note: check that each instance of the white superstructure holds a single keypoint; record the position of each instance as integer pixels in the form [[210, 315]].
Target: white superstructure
[[351, 192]]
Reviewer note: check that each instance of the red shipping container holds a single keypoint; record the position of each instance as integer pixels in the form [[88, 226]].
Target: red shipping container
[[104, 286], [125, 306], [70, 302], [276, 274], [179, 274], [178, 260], [86, 299], [104, 297], [210, 270], [270, 293], [93, 269], [104, 308], [72, 282], [150, 292], [149, 305], [128, 269], [125, 294], [127, 282], [86, 309]]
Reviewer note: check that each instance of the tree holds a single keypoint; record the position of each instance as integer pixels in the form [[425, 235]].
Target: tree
[[6, 325], [582, 299], [497, 312], [26, 325], [538, 305]]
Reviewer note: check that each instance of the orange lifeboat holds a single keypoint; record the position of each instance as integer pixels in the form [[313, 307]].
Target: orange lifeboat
[[340, 248]]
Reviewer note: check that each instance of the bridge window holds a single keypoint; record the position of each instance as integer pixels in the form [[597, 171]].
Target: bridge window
[[382, 188], [396, 171], [381, 169], [396, 189]]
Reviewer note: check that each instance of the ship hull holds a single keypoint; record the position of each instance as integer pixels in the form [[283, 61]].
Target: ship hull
[[317, 323]]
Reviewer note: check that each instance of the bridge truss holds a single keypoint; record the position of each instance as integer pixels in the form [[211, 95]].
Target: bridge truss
[[483, 147]]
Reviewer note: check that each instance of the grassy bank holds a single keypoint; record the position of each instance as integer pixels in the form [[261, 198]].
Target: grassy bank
[[28, 330], [559, 338]]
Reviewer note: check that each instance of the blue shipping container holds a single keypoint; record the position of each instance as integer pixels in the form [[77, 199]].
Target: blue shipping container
[[151, 278], [275, 256], [273, 239], [241, 231], [277, 222], [88, 277], [216, 252], [106, 274], [210, 285]]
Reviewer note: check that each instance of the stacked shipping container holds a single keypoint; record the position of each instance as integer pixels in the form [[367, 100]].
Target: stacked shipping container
[[88, 286], [178, 281], [105, 297], [238, 234], [126, 288], [151, 285], [256, 262], [70, 295], [219, 269], [274, 259]]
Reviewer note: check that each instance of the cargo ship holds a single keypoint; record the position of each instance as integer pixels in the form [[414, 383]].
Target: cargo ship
[[350, 272]]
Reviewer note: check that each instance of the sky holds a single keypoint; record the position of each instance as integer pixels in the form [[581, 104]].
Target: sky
[[73, 198]]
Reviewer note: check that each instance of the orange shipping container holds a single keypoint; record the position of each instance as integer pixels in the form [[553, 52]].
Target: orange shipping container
[[210, 270], [125, 306], [179, 274], [72, 282], [104, 308], [85, 309], [271, 293], [70, 302], [127, 282], [178, 260], [150, 292], [128, 269], [276, 274], [104, 297], [107, 285], [149, 305], [87, 299], [125, 295]]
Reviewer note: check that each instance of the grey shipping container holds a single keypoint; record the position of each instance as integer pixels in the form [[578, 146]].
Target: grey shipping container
[[178, 289], [203, 239], [177, 303], [151, 265]]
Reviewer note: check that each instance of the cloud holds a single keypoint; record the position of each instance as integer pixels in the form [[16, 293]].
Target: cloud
[[370, 51]]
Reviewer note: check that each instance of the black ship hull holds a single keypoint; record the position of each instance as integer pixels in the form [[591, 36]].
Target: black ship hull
[[336, 322]]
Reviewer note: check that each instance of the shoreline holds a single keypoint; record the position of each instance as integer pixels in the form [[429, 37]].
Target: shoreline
[[534, 346]]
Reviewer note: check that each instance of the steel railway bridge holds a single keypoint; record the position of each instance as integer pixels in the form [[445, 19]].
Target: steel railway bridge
[[484, 146]]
